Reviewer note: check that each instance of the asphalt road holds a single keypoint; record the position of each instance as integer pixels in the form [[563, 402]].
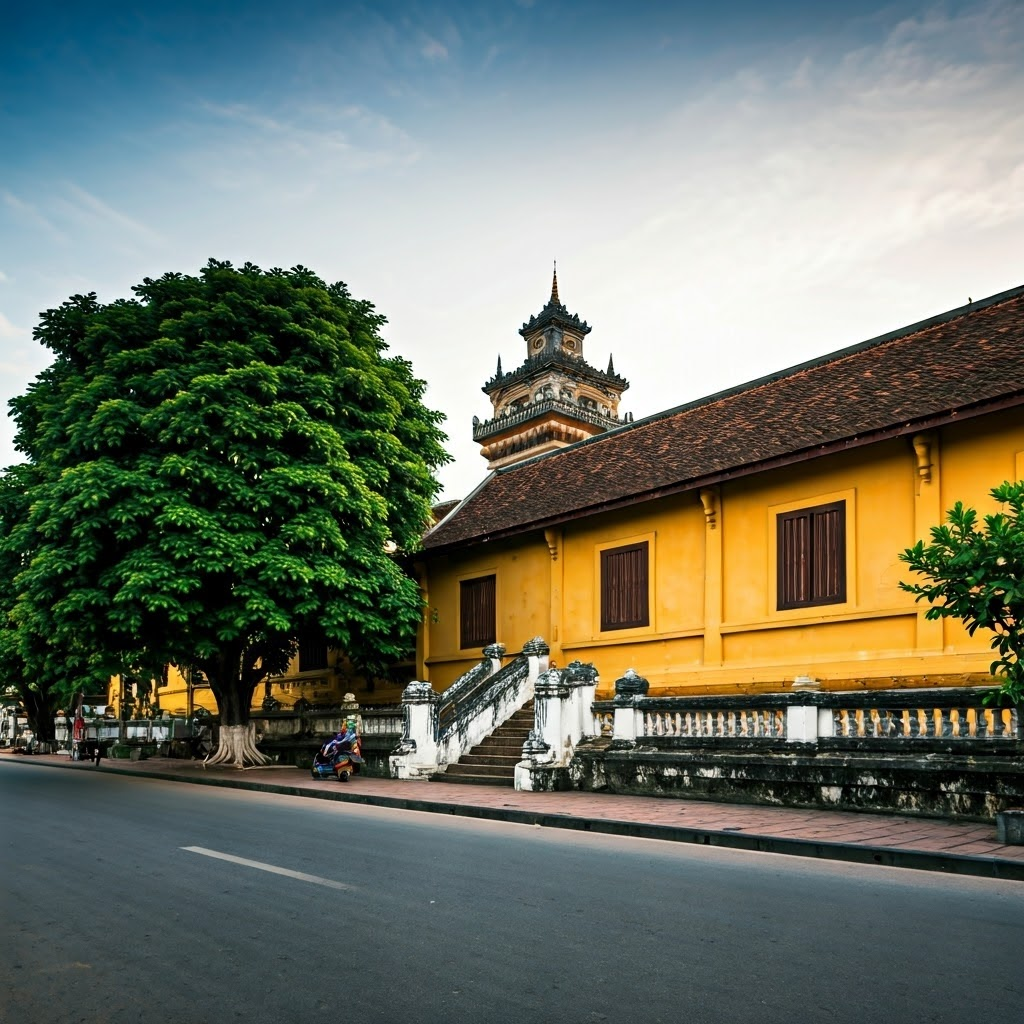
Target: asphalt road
[[137, 900]]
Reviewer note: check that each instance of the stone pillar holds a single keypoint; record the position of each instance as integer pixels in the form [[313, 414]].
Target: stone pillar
[[416, 754], [928, 512], [494, 653], [582, 682], [627, 723], [538, 654], [711, 499], [802, 720], [536, 753], [552, 720]]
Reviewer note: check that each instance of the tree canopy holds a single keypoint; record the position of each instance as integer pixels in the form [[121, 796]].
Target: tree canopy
[[221, 466], [975, 572]]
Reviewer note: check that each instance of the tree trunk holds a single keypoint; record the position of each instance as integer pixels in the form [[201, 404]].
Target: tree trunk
[[40, 709], [233, 685]]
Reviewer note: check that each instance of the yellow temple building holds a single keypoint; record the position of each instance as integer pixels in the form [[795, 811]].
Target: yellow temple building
[[736, 543]]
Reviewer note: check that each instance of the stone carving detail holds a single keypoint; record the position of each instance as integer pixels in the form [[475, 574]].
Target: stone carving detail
[[536, 647], [631, 685], [496, 651], [549, 684], [419, 693], [535, 745], [577, 673]]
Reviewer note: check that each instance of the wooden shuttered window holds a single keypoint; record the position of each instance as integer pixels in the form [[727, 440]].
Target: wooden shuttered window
[[811, 556], [477, 612], [624, 576], [312, 656]]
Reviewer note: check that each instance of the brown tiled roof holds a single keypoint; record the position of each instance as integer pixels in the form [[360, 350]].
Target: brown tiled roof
[[442, 508], [948, 367]]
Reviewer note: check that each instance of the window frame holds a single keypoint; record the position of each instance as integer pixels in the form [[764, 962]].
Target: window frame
[[817, 582], [642, 587], [479, 641], [306, 649]]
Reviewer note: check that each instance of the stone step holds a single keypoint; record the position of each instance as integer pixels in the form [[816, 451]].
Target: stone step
[[474, 780], [492, 762], [481, 769], [499, 749], [505, 760], [506, 730]]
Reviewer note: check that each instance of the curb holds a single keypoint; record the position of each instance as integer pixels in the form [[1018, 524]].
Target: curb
[[851, 853]]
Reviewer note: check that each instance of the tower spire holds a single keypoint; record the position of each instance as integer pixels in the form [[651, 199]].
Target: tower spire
[[554, 300]]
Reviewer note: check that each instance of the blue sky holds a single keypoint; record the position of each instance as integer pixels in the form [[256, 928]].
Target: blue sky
[[728, 189]]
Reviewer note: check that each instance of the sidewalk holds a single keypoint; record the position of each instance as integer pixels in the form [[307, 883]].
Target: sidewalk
[[965, 848]]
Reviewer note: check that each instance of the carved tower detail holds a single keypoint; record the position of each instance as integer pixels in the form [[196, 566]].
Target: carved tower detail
[[555, 397]]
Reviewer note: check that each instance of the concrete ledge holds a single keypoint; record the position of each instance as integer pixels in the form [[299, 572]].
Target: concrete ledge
[[930, 785]]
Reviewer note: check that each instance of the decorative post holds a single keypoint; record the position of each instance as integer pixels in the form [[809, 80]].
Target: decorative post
[[416, 753], [495, 652], [802, 720], [552, 725], [628, 690], [582, 682], [538, 654]]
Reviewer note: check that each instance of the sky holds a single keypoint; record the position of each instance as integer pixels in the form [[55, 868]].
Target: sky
[[728, 189]]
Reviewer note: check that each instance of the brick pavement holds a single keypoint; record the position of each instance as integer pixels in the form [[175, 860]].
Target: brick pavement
[[962, 847]]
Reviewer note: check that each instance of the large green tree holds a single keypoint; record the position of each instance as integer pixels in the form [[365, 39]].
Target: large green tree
[[225, 464], [43, 676], [974, 571]]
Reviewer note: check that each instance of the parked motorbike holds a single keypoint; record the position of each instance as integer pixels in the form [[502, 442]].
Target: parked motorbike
[[339, 759]]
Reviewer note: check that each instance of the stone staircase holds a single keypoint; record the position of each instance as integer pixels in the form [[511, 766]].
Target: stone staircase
[[493, 762]]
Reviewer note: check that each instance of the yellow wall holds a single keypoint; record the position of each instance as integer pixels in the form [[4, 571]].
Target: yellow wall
[[714, 622], [322, 686], [522, 596]]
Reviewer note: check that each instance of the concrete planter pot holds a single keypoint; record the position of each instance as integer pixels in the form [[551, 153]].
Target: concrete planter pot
[[1010, 827]]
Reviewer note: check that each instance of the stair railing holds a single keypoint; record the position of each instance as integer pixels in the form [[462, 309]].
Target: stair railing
[[440, 728]]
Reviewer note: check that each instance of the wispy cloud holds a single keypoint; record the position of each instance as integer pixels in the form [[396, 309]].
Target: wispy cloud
[[86, 206], [325, 138], [841, 160], [432, 49], [28, 212], [9, 330]]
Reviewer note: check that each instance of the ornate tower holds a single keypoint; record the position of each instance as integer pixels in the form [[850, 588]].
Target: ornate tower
[[554, 398]]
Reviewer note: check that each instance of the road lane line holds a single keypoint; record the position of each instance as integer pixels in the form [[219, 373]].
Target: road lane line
[[272, 868]]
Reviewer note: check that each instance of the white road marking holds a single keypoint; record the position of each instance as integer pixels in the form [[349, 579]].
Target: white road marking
[[272, 868]]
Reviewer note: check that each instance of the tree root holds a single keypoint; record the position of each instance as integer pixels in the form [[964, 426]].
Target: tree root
[[237, 747]]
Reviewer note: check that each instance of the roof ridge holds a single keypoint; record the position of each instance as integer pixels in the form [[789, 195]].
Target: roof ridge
[[770, 378]]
